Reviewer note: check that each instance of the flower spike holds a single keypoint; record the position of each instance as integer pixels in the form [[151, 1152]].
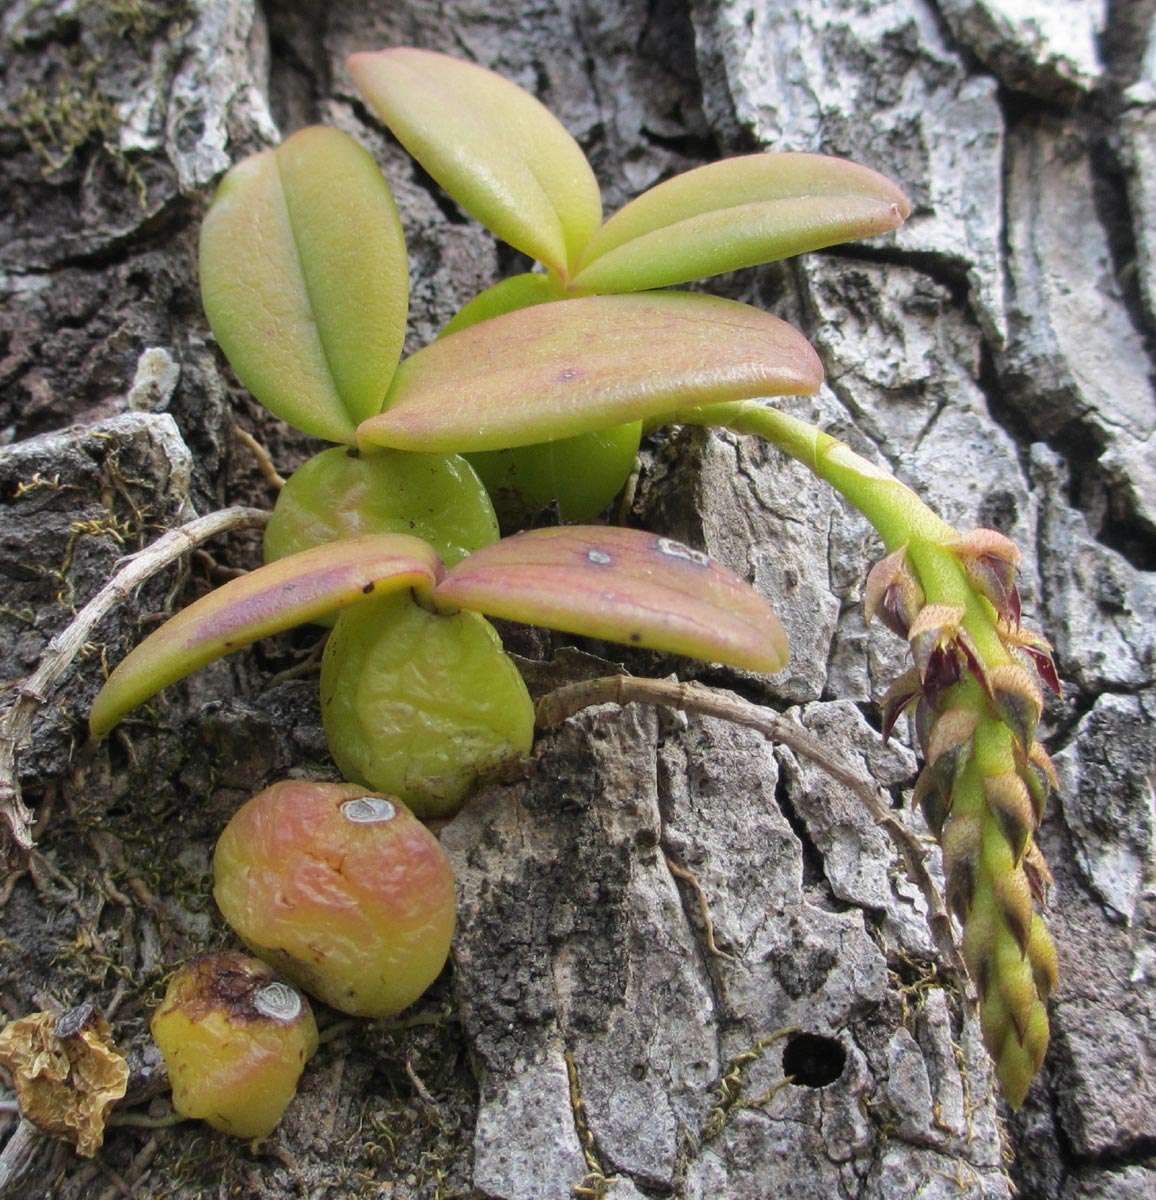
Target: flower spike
[[976, 709]]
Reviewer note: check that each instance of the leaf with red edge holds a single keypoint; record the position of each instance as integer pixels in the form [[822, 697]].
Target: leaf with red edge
[[754, 209], [285, 593], [573, 366], [622, 585], [502, 155]]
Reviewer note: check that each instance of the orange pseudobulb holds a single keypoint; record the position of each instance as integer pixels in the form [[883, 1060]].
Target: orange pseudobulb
[[343, 891]]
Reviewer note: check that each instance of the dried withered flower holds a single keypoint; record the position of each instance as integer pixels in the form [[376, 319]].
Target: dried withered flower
[[66, 1072]]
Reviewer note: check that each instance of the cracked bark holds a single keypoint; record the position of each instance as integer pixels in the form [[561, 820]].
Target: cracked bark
[[995, 353]]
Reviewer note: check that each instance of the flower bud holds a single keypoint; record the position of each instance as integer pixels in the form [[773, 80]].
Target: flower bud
[[1014, 897], [962, 839], [1037, 649], [1008, 797], [933, 795], [989, 561], [902, 693], [950, 738], [893, 592], [1017, 701], [1039, 875], [235, 1040], [932, 631]]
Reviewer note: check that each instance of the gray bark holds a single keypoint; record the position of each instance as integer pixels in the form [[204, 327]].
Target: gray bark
[[997, 353]]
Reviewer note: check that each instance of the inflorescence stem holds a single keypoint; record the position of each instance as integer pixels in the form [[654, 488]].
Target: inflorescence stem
[[976, 708]]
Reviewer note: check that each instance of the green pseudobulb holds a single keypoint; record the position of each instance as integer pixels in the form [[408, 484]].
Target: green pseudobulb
[[341, 493], [417, 704], [582, 474]]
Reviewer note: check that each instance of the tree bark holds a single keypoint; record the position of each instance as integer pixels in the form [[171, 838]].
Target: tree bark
[[667, 917]]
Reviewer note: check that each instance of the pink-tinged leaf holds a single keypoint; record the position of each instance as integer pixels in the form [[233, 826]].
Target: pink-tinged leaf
[[285, 593], [738, 213], [622, 585], [304, 280], [502, 155], [574, 366]]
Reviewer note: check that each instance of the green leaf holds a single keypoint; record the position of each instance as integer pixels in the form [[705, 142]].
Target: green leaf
[[622, 585], [304, 280], [518, 291], [737, 213], [575, 366], [288, 592], [503, 156]]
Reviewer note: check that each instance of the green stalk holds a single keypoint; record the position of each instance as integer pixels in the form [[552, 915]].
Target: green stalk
[[897, 513], [1008, 951]]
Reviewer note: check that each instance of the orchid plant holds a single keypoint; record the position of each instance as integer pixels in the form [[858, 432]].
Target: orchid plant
[[543, 383]]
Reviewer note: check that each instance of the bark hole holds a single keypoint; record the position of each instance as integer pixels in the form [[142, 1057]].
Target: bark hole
[[813, 1061]]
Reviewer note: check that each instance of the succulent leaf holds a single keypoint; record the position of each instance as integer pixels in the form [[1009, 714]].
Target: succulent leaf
[[581, 474], [503, 156], [235, 1040], [340, 493], [348, 895], [625, 586], [737, 213], [275, 597], [418, 704], [304, 280], [575, 366]]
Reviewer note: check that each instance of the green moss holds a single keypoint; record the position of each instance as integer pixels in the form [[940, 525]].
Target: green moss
[[138, 21], [60, 119], [70, 111]]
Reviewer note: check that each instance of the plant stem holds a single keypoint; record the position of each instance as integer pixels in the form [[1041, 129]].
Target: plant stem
[[896, 512]]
